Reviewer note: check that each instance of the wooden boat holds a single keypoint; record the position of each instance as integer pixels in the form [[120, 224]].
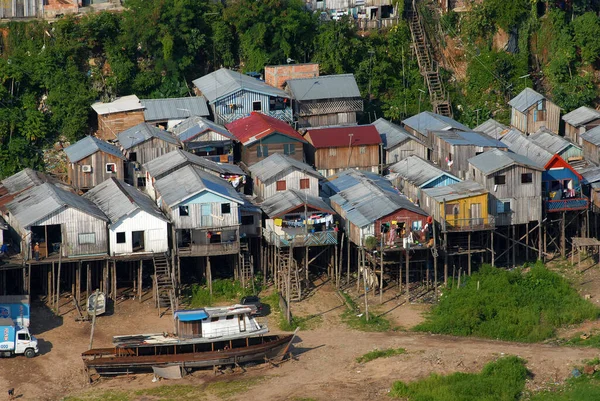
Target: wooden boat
[[91, 307], [140, 358]]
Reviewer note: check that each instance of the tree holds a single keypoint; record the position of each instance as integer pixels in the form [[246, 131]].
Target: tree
[[586, 29]]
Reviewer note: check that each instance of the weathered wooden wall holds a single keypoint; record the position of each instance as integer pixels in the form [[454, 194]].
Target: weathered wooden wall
[[80, 180], [292, 178], [405, 149], [590, 151], [111, 125], [528, 124], [331, 160]]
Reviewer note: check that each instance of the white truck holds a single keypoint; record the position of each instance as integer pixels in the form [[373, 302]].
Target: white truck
[[15, 340]]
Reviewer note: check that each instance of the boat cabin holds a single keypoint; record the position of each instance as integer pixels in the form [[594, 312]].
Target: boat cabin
[[219, 322]]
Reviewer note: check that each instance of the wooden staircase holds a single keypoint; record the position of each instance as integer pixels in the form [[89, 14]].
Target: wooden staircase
[[246, 274], [427, 65], [289, 272], [164, 285]]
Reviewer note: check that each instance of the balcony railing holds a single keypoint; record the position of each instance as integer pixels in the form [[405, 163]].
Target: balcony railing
[[319, 238], [213, 249], [565, 205], [473, 224]]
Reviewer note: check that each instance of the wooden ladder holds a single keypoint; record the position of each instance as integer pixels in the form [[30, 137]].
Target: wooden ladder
[[246, 266], [164, 285]]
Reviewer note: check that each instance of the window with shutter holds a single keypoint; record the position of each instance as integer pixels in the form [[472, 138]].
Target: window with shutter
[[281, 186]]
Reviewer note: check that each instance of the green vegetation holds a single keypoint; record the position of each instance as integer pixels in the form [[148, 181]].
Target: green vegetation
[[224, 290], [501, 380], [380, 353], [583, 388], [581, 340], [509, 305], [303, 322], [357, 320]]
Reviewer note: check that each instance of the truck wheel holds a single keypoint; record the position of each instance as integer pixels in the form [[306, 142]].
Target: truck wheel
[[29, 353]]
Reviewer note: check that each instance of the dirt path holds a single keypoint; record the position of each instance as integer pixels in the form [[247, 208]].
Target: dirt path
[[325, 368]]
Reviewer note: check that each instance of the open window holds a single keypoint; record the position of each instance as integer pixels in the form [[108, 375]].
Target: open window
[[225, 208], [121, 239], [526, 178], [256, 106], [184, 211], [111, 168]]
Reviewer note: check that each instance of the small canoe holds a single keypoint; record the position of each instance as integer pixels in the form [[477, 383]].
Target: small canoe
[[91, 304]]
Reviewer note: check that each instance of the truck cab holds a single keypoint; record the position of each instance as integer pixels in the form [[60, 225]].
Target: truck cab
[[15, 340]]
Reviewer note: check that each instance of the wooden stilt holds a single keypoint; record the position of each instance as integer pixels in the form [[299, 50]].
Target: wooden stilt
[[407, 274], [445, 258], [400, 274], [563, 240], [28, 278], [88, 281], [209, 275], [140, 277], [381, 277], [78, 291], [58, 281], [469, 252], [527, 242], [540, 257], [492, 248], [514, 247]]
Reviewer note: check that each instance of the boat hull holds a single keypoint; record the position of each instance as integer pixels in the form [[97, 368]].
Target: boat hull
[[120, 361]]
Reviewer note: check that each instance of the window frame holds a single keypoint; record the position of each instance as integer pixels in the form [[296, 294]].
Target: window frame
[[184, 211], [86, 242], [121, 237], [279, 184], [225, 208], [526, 178], [110, 168], [254, 103], [304, 183], [498, 178]]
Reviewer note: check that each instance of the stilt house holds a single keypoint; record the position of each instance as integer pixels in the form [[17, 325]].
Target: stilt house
[[136, 224], [205, 138], [398, 143], [117, 116], [92, 161], [170, 112], [532, 111], [421, 124], [578, 121]]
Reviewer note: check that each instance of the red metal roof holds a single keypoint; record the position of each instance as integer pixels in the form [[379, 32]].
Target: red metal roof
[[335, 137], [556, 161], [257, 125]]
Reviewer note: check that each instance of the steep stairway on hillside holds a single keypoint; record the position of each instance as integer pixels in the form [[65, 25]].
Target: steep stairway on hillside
[[427, 65]]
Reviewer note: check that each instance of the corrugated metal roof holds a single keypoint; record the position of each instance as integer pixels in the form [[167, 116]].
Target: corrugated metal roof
[[143, 132], [524, 100], [180, 158], [521, 145], [428, 121], [118, 199], [324, 87], [284, 201], [391, 134], [581, 116], [348, 178], [590, 175], [125, 103], [88, 146], [190, 181], [468, 138], [492, 128], [224, 82], [277, 163], [194, 126], [339, 136], [592, 136], [257, 126], [368, 201], [494, 160], [551, 142], [45, 199], [418, 171], [459, 190], [22, 180], [174, 108]]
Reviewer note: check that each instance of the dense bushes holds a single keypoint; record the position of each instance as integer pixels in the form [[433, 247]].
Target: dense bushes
[[509, 305]]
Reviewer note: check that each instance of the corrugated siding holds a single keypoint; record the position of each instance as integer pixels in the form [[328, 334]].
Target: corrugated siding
[[571, 151], [292, 180], [526, 199], [80, 180], [73, 222], [408, 148], [155, 233], [205, 215], [243, 101]]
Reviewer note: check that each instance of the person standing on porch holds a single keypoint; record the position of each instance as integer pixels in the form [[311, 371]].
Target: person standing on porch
[[36, 251]]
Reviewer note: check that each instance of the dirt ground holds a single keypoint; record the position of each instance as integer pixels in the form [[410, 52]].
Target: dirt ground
[[325, 367]]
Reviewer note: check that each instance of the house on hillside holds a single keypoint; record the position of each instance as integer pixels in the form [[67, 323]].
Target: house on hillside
[[205, 138], [298, 218], [204, 210], [233, 95], [366, 14], [117, 116], [532, 111], [452, 149], [334, 149], [413, 174], [421, 124], [141, 144], [591, 144], [277, 75], [591, 185], [260, 136], [92, 161], [579, 121], [557, 144], [348, 178], [367, 204], [561, 187], [325, 100], [60, 221], [177, 159], [279, 173], [170, 112], [514, 183], [492, 128], [136, 224], [398, 143], [459, 207]]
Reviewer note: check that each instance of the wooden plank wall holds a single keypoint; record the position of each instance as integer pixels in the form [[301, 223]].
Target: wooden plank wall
[[249, 156], [346, 157], [111, 125], [292, 178], [80, 180]]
